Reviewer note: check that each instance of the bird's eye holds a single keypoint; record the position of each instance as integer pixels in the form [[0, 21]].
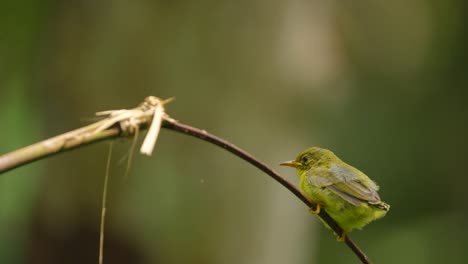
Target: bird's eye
[[305, 159]]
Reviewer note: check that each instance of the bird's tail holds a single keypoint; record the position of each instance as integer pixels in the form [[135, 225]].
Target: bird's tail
[[382, 205]]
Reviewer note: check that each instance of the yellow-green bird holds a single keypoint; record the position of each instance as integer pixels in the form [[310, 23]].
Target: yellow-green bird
[[348, 195]]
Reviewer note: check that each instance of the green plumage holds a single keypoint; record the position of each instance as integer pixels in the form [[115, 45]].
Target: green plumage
[[348, 195]]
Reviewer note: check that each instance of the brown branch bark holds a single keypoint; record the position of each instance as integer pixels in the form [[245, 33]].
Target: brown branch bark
[[203, 135], [56, 145]]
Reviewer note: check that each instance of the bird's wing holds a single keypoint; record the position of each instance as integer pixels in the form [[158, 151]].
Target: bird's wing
[[346, 183], [354, 192]]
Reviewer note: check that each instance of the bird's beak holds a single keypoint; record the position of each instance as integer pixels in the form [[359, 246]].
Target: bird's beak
[[291, 163]]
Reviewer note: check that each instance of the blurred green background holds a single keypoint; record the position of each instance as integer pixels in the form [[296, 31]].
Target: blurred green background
[[381, 83]]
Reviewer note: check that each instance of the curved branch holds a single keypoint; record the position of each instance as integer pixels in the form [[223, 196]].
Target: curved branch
[[203, 135], [75, 139]]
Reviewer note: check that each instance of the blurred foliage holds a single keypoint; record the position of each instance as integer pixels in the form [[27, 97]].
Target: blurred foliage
[[380, 83]]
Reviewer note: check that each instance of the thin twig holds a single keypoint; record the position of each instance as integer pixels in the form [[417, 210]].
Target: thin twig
[[70, 141], [203, 135], [104, 205]]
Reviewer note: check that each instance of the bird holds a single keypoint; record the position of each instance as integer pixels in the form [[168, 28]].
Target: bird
[[347, 194]]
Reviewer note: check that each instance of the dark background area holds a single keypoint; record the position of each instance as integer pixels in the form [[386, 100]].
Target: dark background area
[[381, 83]]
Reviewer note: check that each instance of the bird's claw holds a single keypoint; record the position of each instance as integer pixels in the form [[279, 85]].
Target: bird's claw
[[341, 237], [315, 210]]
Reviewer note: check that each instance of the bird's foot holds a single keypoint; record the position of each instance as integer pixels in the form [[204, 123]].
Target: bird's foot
[[342, 237], [315, 210]]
